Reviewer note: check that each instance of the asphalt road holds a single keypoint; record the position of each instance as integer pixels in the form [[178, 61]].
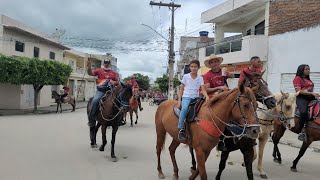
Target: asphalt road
[[56, 147]]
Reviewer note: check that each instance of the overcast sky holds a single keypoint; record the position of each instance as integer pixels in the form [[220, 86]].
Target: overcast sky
[[114, 26]]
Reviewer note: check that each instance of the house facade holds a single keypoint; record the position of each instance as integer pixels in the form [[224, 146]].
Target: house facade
[[17, 39]]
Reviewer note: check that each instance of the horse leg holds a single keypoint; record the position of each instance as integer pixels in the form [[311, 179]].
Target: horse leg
[[172, 148], [222, 165], [161, 138], [113, 140], [277, 134], [136, 117], [93, 135], [131, 114], [57, 107], [60, 107], [262, 143], [303, 149], [104, 138], [201, 159], [248, 158], [194, 163]]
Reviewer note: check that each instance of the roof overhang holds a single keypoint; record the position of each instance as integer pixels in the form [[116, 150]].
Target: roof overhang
[[41, 39]]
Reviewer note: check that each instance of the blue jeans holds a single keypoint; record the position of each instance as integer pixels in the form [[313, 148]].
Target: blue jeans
[[94, 106], [184, 110]]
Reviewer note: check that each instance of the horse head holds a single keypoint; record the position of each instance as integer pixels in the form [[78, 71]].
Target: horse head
[[125, 94], [260, 88], [244, 111], [286, 104]]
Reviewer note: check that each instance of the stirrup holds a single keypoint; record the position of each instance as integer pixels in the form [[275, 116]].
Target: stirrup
[[222, 145], [302, 136]]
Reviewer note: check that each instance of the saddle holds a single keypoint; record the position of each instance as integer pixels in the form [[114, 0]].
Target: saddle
[[313, 111], [194, 108]]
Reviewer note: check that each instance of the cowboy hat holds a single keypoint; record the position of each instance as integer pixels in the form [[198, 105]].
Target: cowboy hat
[[212, 57]]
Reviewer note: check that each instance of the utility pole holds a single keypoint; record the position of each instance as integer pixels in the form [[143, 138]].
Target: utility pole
[[172, 6]]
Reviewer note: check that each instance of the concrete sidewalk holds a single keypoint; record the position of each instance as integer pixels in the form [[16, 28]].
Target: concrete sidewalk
[[42, 110]]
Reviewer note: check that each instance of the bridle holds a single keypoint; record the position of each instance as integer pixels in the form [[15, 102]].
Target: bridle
[[117, 101], [243, 118]]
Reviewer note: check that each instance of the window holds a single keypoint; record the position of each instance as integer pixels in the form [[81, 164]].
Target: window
[[36, 51], [19, 46], [52, 55], [249, 32], [259, 28], [209, 50]]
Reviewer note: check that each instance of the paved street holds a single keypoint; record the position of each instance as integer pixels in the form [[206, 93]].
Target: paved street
[[56, 147]]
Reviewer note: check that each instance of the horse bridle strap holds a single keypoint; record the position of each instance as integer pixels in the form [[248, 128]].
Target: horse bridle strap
[[236, 101]]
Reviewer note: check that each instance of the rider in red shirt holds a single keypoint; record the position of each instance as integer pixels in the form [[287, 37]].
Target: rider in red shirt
[[255, 67], [65, 93], [135, 89], [106, 78], [214, 80]]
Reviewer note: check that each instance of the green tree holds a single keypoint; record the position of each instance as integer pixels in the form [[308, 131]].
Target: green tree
[[22, 70], [143, 81], [163, 82]]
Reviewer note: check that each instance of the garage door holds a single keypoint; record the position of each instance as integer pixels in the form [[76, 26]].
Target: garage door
[[287, 86], [91, 89]]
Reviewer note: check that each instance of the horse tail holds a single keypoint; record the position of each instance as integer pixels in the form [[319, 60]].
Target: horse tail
[[160, 130]]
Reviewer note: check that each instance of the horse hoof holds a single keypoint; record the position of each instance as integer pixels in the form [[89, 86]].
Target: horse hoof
[[231, 163], [175, 177], [294, 169], [263, 176], [94, 146], [277, 161], [114, 159], [193, 171], [161, 176], [131, 125], [243, 165], [101, 149], [136, 123]]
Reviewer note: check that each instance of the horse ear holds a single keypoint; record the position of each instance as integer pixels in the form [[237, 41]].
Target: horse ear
[[263, 72], [242, 85], [282, 93], [255, 89]]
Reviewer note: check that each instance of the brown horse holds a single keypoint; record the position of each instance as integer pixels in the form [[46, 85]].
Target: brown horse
[[280, 125], [134, 104], [238, 105], [244, 144], [69, 99], [110, 113]]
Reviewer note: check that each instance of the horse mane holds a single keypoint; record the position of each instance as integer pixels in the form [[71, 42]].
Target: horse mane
[[221, 96]]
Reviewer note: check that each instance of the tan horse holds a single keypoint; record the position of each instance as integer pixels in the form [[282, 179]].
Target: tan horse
[[238, 104], [69, 99], [285, 109], [134, 104]]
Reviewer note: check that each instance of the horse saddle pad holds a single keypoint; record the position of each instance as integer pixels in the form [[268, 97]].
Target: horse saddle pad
[[313, 110], [194, 108]]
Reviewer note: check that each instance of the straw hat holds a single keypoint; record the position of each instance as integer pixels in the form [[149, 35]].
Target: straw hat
[[211, 57]]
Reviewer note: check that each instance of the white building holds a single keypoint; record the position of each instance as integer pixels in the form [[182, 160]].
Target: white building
[[17, 39], [266, 30]]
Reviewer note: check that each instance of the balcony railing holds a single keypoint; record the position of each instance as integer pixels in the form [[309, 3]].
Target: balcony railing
[[227, 47]]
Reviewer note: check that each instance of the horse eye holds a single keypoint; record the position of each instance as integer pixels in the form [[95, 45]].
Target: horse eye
[[245, 105]]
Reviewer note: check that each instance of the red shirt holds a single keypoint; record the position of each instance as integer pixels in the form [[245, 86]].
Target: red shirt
[[105, 75], [134, 84], [215, 79], [303, 83], [248, 72], [66, 89]]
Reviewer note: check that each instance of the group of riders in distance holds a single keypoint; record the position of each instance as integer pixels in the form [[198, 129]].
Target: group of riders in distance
[[209, 114]]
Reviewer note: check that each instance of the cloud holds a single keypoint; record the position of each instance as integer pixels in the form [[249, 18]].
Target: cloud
[[108, 26]]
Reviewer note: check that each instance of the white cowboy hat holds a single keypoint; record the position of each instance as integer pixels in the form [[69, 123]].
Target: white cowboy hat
[[211, 57]]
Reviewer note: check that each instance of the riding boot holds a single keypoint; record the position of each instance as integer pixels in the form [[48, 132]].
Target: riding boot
[[182, 136], [302, 135], [222, 144]]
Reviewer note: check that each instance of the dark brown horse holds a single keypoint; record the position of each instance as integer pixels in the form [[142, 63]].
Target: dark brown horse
[[312, 131], [69, 99], [238, 105], [110, 113]]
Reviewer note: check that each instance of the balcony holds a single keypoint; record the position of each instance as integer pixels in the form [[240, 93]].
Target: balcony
[[240, 50]]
